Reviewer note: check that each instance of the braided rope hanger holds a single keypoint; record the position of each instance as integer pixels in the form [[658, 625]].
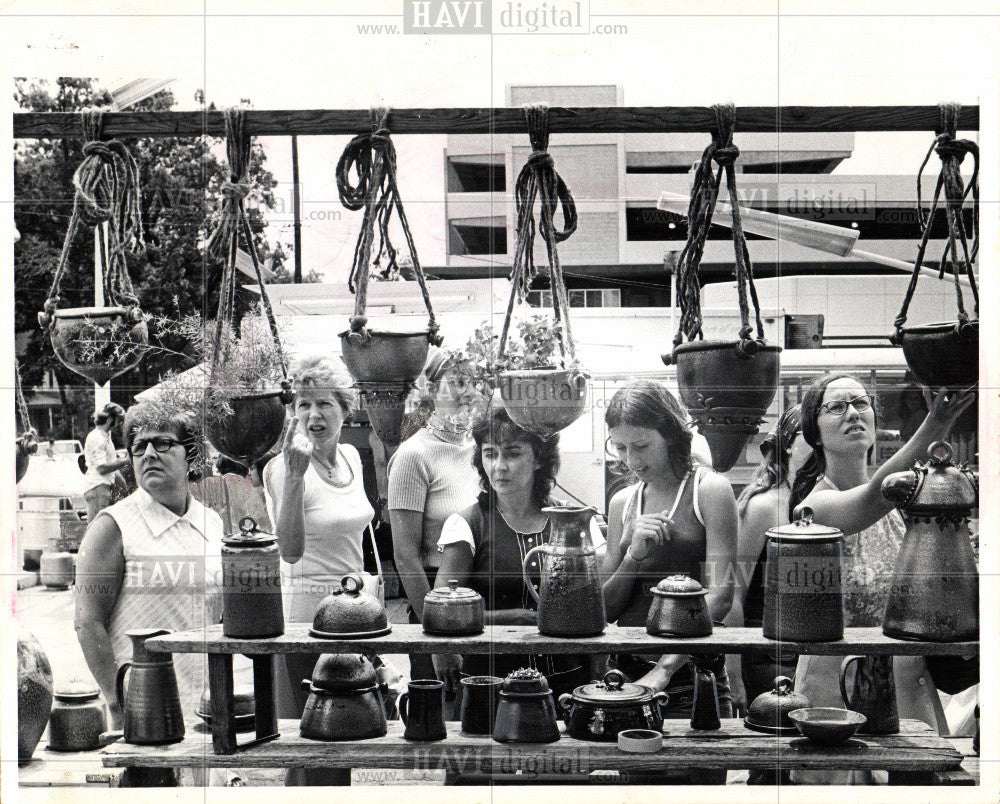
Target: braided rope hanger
[[952, 152], [106, 191], [539, 179], [24, 419], [224, 241], [373, 157], [704, 194]]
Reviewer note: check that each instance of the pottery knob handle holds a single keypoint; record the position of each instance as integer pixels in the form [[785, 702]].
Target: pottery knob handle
[[566, 704]]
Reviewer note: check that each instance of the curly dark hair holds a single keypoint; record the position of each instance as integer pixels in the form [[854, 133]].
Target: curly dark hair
[[648, 404], [496, 427], [181, 423]]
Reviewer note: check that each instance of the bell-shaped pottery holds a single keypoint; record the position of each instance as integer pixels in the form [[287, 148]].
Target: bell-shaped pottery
[[679, 608], [350, 613], [727, 387], [943, 354], [769, 711], [385, 404], [544, 401], [344, 701], [99, 343], [934, 594], [252, 428], [385, 357], [34, 694]]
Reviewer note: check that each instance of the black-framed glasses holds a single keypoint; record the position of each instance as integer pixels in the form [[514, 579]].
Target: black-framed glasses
[[839, 406], [160, 444]]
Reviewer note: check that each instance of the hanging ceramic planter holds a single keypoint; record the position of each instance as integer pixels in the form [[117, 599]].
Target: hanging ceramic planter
[[726, 391], [34, 694], [252, 428], [98, 343], [726, 386], [24, 447], [385, 357], [946, 354], [544, 401], [385, 404]]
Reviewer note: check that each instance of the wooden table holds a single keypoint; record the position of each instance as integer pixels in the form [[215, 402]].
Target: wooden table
[[913, 756], [407, 638]]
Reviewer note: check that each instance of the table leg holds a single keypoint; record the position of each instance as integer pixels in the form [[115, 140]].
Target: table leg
[[220, 685], [263, 693]]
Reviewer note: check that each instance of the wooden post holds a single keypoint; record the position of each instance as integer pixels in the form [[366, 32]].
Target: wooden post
[[296, 212]]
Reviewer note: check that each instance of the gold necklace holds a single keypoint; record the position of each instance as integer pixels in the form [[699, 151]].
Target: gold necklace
[[328, 473]]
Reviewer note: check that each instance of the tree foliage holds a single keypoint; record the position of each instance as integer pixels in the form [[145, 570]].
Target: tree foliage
[[179, 181]]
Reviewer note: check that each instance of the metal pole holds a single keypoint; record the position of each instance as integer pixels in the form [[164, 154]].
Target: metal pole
[[102, 394], [296, 212]]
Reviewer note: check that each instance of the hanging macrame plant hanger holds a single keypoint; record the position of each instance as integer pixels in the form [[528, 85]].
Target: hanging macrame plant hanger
[[254, 420], [946, 354], [543, 401], [100, 343], [384, 364], [26, 443], [727, 386]]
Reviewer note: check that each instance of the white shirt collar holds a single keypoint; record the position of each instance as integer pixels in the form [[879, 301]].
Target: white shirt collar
[[160, 519]]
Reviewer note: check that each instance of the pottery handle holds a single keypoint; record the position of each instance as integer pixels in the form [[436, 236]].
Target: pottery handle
[[661, 700], [566, 704], [402, 704], [843, 678], [120, 685], [524, 572]]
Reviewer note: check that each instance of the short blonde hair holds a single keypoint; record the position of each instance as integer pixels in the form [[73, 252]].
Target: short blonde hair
[[324, 374]]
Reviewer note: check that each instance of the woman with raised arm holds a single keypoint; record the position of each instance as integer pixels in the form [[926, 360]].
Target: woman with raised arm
[[838, 422]]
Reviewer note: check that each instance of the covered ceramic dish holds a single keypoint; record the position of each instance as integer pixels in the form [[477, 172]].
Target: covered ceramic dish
[[599, 711], [348, 613], [769, 710], [344, 700], [78, 717], [244, 707], [526, 712], [679, 608], [453, 611]]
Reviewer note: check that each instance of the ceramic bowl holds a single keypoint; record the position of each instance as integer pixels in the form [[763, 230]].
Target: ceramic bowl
[[827, 725]]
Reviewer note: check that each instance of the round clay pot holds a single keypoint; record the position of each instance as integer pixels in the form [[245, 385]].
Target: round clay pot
[[727, 389], [56, 569], [252, 429], [544, 401], [24, 447], [125, 332], [34, 694], [385, 356], [942, 355]]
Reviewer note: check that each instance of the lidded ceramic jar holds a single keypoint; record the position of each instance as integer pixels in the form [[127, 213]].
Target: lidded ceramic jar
[[349, 613], [453, 611], [78, 717], [679, 608], [769, 710]]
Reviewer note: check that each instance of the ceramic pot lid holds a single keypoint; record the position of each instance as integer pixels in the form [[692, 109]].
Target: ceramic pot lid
[[679, 586], [453, 593], [76, 689], [250, 535], [613, 689], [804, 529]]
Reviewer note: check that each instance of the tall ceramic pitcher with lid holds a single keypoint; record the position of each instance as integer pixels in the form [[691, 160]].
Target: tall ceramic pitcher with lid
[[570, 597], [151, 703], [935, 586]]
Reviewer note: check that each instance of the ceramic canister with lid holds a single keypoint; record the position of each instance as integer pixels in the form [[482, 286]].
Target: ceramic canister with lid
[[251, 584], [78, 717], [803, 583], [526, 712], [453, 610]]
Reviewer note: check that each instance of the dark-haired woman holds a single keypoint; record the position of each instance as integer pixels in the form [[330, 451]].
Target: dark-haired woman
[[484, 546], [838, 422], [679, 518]]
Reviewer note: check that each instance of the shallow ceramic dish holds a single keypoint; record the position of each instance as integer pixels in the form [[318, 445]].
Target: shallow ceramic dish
[[827, 725]]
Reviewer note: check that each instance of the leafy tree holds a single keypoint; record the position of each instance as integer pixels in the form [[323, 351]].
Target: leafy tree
[[179, 180]]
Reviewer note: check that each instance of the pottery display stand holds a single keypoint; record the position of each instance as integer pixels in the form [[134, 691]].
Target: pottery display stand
[[915, 756]]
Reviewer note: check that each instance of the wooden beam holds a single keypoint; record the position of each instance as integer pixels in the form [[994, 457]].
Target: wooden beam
[[597, 120]]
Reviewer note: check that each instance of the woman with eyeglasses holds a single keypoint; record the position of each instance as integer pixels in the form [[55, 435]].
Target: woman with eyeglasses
[[838, 422], [151, 560], [680, 517]]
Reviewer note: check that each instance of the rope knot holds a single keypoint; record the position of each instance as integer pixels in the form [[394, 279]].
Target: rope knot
[[235, 190], [540, 160], [726, 155], [98, 148]]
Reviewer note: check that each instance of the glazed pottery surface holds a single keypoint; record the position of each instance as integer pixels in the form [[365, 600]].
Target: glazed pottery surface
[[942, 354], [421, 709], [150, 702], [251, 584], [78, 718], [600, 710], [252, 428], [544, 401], [873, 694], [34, 694]]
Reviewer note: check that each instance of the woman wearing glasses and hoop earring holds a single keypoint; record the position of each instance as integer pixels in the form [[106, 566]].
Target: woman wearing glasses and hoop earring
[[838, 422]]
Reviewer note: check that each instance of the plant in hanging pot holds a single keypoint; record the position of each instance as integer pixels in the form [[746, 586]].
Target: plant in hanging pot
[[242, 392], [97, 342]]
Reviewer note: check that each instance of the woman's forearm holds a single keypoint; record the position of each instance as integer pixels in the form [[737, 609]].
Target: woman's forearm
[[291, 524], [97, 652], [618, 588]]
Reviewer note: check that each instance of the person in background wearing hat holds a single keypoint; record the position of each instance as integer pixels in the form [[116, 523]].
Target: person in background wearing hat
[[431, 477], [103, 462]]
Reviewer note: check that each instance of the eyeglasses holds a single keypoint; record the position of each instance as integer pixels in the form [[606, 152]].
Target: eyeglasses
[[839, 406], [160, 444]]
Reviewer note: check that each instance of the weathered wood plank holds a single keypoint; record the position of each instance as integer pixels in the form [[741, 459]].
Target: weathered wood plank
[[562, 120], [407, 638], [220, 684], [914, 750]]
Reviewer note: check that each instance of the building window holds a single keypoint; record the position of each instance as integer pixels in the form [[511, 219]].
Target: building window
[[477, 236], [605, 297], [478, 173]]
